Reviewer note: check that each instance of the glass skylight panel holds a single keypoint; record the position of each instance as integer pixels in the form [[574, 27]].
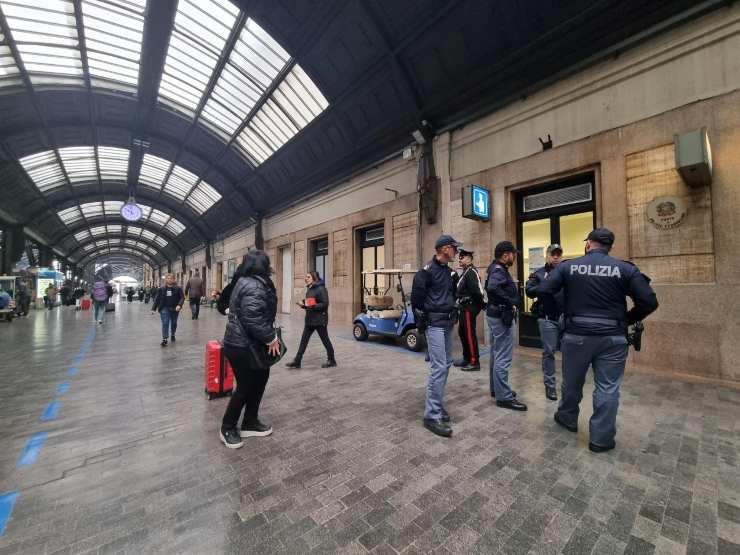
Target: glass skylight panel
[[203, 197], [45, 32], [9, 72], [44, 170], [70, 215], [159, 218], [113, 35], [92, 209], [98, 230], [160, 241], [82, 235], [113, 207], [197, 40], [113, 163], [295, 103], [114, 228], [153, 171], [133, 230], [88, 247], [175, 226], [79, 163], [180, 182], [251, 68]]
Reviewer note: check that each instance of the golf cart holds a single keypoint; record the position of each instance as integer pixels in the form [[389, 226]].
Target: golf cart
[[7, 284], [380, 316]]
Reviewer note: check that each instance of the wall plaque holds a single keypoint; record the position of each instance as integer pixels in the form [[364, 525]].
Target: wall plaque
[[666, 212]]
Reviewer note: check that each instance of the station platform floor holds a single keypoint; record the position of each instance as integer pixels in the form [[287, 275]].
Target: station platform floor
[[109, 446]]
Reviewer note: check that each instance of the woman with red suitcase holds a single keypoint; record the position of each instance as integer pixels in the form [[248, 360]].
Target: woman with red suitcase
[[250, 331]]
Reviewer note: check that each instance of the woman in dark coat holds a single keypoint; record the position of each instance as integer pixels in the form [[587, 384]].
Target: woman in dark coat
[[316, 305], [249, 337]]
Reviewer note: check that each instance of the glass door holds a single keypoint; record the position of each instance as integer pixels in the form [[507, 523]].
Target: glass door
[[561, 213]]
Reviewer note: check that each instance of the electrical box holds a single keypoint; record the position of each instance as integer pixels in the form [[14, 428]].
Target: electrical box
[[476, 203], [694, 157]]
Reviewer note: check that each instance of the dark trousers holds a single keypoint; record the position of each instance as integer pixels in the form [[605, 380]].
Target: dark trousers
[[323, 334], [250, 387], [468, 335], [195, 306]]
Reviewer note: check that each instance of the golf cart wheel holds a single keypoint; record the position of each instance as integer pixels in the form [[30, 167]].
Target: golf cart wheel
[[412, 340], [359, 331]]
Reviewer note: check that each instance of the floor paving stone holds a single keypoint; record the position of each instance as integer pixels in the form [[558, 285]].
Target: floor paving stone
[[133, 464]]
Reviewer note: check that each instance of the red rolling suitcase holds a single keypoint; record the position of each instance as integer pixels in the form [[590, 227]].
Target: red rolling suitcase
[[85, 303], [219, 375]]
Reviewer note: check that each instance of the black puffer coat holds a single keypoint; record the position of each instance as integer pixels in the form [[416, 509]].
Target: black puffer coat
[[318, 314], [252, 310]]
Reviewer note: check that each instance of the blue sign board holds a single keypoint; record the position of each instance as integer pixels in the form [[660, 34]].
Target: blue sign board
[[481, 202]]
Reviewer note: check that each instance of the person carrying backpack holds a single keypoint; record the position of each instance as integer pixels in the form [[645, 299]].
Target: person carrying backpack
[[100, 298]]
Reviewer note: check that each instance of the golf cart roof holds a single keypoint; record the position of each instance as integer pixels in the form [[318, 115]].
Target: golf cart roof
[[8, 278], [388, 271]]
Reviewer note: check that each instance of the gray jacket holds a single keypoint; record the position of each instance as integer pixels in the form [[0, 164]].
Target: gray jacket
[[194, 287]]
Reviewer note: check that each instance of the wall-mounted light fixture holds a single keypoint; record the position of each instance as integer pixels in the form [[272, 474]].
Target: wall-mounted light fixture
[[694, 157]]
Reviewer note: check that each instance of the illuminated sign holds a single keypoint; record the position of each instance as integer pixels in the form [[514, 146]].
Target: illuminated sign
[[476, 203]]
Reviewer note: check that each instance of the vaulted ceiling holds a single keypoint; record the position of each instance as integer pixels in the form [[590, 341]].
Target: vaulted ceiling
[[215, 111]]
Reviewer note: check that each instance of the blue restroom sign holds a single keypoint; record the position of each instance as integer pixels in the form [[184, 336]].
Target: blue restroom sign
[[476, 203]]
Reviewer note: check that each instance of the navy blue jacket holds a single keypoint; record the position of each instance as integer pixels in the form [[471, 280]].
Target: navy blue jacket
[[552, 305], [501, 289], [433, 292], [596, 286]]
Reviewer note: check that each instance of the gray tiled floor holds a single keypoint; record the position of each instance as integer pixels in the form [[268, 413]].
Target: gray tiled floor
[[132, 463]]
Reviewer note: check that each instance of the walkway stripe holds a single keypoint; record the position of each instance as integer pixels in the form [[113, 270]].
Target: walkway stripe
[[7, 500], [52, 411], [72, 372], [63, 388], [31, 451]]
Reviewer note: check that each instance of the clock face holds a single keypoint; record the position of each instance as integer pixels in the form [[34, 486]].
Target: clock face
[[131, 211]]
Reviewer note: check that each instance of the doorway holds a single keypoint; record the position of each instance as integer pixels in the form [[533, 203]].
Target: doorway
[[562, 212], [320, 249], [219, 275], [372, 257], [286, 256]]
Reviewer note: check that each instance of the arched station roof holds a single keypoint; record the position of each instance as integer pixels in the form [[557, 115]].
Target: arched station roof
[[217, 111]]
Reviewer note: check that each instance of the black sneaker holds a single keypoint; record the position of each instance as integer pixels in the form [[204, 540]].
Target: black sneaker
[[512, 404], [470, 368], [445, 416], [329, 364], [258, 429], [164, 341], [460, 362], [570, 427], [551, 394], [172, 338], [437, 427], [294, 364], [600, 448], [231, 439]]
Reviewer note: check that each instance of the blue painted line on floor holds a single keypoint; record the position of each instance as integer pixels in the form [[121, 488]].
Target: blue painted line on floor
[[7, 500], [51, 411], [72, 372], [31, 451], [63, 388]]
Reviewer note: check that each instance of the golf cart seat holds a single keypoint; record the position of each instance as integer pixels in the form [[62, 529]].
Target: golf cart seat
[[389, 314], [379, 302]]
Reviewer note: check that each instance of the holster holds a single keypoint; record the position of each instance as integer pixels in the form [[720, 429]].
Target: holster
[[507, 315]]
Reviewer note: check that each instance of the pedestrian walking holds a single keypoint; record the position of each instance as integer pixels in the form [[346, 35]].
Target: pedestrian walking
[[316, 305], [168, 302], [194, 289]]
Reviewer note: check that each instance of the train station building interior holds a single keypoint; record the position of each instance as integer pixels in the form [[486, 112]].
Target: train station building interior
[[142, 138]]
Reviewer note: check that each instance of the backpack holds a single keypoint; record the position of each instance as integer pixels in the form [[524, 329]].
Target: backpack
[[99, 292], [223, 301]]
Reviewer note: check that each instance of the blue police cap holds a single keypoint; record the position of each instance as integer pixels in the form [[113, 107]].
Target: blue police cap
[[445, 240], [601, 235]]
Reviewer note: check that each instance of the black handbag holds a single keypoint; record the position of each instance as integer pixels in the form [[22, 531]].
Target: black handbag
[[260, 353]]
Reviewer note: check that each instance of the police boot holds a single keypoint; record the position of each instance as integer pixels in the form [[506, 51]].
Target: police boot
[[459, 362], [551, 394], [437, 427], [470, 367]]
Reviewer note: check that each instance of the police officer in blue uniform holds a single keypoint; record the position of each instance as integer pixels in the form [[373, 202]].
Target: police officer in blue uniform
[[596, 321], [503, 300], [547, 309], [433, 302]]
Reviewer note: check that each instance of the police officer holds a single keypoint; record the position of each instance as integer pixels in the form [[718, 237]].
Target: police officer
[[433, 302], [503, 299], [547, 309], [596, 320], [470, 301]]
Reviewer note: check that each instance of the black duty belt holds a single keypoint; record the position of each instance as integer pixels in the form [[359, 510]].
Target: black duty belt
[[596, 320]]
